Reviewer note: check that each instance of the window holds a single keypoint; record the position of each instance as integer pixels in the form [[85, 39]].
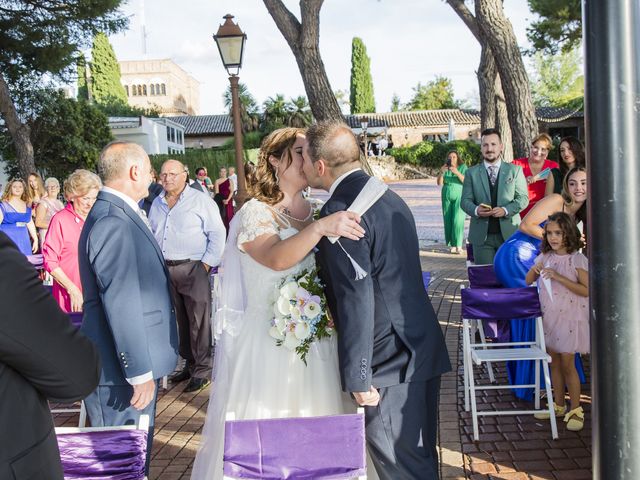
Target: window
[[180, 137], [164, 89], [126, 89], [173, 135], [144, 90], [134, 92], [168, 134], [140, 90], [153, 89]]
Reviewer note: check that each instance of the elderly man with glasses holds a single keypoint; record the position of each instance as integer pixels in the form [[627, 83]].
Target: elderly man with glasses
[[191, 235]]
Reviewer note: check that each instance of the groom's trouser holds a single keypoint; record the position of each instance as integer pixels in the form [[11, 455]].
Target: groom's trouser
[[402, 431], [110, 406]]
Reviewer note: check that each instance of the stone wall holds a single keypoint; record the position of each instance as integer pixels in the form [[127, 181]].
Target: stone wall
[[388, 169]]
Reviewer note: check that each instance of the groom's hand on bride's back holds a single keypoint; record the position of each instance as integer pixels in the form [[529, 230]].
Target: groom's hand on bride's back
[[367, 399], [341, 224]]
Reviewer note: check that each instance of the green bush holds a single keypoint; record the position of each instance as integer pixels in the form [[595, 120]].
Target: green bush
[[212, 159], [433, 154]]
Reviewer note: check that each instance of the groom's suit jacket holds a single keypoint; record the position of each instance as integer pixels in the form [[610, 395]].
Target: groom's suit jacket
[[388, 332], [128, 311]]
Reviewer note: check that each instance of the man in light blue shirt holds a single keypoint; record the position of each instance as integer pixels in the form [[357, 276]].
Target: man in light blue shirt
[[187, 225]]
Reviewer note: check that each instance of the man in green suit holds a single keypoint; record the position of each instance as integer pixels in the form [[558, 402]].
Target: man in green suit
[[493, 194]]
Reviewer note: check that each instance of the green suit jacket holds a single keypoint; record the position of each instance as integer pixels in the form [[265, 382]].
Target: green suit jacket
[[512, 195]]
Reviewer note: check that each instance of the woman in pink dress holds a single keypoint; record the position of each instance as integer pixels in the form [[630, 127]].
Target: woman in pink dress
[[60, 248], [49, 205]]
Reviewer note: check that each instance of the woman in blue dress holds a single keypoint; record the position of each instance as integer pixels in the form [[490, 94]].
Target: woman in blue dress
[[516, 256], [15, 217]]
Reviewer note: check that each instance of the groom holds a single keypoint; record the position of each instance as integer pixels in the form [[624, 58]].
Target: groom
[[391, 349]]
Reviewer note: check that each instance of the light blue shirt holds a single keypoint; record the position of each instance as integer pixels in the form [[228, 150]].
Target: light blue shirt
[[192, 229]]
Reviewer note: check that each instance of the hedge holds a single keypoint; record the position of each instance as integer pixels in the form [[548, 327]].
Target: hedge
[[433, 154], [212, 159]]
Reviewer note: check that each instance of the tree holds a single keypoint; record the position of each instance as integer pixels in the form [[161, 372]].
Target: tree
[[361, 91], [303, 37], [276, 112], [435, 95], [299, 113], [106, 87], [249, 116], [395, 102], [498, 33], [493, 107], [558, 80], [66, 134], [41, 38], [559, 27]]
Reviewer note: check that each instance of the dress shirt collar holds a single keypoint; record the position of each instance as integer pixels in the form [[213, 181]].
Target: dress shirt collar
[[127, 199], [183, 194], [496, 164], [337, 181]]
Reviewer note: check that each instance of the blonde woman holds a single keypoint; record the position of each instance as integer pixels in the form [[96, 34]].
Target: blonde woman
[[36, 190], [16, 219], [49, 205], [60, 248]]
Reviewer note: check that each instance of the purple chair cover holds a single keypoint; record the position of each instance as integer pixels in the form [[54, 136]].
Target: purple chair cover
[[36, 260], [426, 279], [470, 253], [115, 455], [330, 447], [483, 276], [500, 303]]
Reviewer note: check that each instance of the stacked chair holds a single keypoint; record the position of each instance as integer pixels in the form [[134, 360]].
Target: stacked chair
[[486, 302]]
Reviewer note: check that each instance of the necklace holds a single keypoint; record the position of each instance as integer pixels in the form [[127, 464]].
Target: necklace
[[287, 213]]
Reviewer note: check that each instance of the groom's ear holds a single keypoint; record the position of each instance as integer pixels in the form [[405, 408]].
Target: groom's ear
[[320, 167]]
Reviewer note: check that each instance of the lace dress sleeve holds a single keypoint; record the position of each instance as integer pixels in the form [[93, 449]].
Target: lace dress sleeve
[[257, 220]]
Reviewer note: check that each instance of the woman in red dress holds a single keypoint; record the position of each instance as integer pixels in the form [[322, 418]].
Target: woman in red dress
[[224, 189], [533, 166]]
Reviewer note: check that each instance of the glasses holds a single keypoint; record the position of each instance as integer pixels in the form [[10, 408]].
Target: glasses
[[170, 175]]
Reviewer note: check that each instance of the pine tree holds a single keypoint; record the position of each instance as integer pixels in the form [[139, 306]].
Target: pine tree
[[395, 102], [361, 97], [105, 73], [83, 90]]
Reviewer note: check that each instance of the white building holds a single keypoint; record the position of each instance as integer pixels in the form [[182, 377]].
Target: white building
[[154, 135]]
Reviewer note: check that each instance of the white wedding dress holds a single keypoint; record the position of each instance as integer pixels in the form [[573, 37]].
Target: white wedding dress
[[253, 377]]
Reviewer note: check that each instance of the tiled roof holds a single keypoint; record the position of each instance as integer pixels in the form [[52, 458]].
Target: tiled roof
[[418, 118], [205, 124], [557, 114]]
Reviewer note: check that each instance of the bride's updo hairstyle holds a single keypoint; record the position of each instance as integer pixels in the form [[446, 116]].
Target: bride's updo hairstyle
[[277, 144]]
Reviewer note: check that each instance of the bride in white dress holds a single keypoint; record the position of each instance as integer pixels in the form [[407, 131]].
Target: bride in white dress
[[272, 236]]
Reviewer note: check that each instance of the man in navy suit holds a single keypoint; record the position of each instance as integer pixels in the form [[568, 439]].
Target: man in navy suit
[[390, 346], [128, 312]]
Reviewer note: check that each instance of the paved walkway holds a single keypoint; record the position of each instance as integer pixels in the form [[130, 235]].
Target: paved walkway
[[510, 448]]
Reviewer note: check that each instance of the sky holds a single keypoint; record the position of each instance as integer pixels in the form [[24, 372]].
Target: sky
[[408, 41]]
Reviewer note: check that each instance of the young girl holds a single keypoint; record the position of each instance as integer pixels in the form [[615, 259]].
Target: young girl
[[564, 298]]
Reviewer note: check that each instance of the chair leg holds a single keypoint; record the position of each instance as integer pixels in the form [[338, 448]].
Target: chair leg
[[465, 361], [483, 338], [537, 383], [82, 419], [165, 382], [547, 387]]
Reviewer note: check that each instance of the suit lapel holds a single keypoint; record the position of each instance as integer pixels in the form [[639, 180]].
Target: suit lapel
[[134, 217]]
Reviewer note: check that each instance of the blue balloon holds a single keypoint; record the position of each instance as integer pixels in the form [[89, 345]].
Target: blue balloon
[[514, 259]]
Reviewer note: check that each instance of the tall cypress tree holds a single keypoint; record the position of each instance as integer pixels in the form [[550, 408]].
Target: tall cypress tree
[[361, 95], [105, 73], [83, 89]]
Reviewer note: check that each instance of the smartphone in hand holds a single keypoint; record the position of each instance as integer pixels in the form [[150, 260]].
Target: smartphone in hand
[[484, 205]]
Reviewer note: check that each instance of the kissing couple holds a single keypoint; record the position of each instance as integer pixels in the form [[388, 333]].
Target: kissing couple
[[387, 352]]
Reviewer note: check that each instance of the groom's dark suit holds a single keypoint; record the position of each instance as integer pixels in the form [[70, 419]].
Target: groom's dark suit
[[388, 333]]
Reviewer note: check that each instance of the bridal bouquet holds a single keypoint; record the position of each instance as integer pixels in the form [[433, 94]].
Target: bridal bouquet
[[300, 313]]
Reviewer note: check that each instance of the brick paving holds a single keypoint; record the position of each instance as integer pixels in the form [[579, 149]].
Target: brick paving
[[510, 447]]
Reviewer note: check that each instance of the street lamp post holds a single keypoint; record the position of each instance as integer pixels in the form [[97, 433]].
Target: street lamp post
[[364, 123], [230, 40]]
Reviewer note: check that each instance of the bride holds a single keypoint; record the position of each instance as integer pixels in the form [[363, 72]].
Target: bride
[[271, 237]]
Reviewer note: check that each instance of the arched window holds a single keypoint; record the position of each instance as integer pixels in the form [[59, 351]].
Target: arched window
[[126, 89], [164, 89], [134, 92], [144, 90], [153, 89], [140, 90]]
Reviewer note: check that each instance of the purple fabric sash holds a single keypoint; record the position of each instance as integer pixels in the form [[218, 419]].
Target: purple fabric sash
[[116, 455], [36, 260], [330, 447], [483, 276], [76, 319], [500, 303], [470, 253]]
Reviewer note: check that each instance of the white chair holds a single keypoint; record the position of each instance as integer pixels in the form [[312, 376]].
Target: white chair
[[104, 452], [81, 410], [504, 303], [326, 447]]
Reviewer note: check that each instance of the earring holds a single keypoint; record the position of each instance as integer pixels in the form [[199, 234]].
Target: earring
[[275, 173]]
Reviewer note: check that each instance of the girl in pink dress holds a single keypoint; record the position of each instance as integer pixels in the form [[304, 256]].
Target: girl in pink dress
[[563, 284]]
